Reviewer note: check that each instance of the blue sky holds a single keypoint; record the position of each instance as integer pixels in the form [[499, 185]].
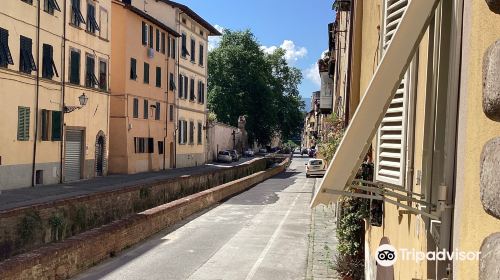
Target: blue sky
[[298, 25]]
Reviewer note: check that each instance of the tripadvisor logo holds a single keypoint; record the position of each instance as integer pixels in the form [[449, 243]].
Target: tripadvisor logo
[[386, 255]]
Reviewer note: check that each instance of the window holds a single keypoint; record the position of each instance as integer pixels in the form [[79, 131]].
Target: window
[[76, 13], [50, 5], [143, 145], [48, 65], [103, 23], [391, 137], [201, 92], [28, 1], [103, 75], [23, 123], [184, 127], [144, 34], [157, 111], [191, 91], [5, 56], [51, 125], [160, 147], [157, 40], [193, 50], [27, 62], [163, 42], [186, 86], [136, 108], [151, 146], [191, 133], [200, 134], [74, 64], [90, 78], [171, 82], [151, 36], [181, 85], [146, 108], [202, 54], [146, 73], [184, 46], [182, 130], [171, 113], [173, 50], [158, 77], [92, 25], [133, 69]]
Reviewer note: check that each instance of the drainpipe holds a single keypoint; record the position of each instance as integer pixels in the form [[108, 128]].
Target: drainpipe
[[349, 65], [37, 92], [176, 97], [63, 91]]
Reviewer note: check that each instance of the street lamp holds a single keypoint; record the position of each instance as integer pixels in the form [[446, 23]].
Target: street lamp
[[83, 99]]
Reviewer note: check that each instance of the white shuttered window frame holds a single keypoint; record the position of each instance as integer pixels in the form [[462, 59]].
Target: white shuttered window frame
[[392, 133]]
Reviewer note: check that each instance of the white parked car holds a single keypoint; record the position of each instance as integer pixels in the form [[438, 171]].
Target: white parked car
[[248, 153], [315, 167], [224, 156]]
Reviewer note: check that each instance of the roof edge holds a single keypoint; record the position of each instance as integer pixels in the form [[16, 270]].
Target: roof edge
[[213, 31]]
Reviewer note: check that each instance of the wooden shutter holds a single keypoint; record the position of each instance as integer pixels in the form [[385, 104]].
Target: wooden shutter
[[181, 85], [45, 125], [185, 132], [23, 123], [186, 87], [144, 33], [56, 125], [157, 111], [163, 42], [191, 92], [201, 55], [136, 108], [75, 67], [133, 69], [146, 73], [193, 50], [146, 105], [158, 77], [151, 36], [391, 141], [179, 131]]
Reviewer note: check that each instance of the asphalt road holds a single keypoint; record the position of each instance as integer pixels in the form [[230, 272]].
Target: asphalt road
[[259, 234]]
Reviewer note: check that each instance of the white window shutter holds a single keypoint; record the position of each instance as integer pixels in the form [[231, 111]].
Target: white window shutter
[[391, 136]]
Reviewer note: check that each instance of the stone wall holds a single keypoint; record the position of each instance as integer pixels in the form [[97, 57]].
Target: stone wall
[[27, 228], [67, 258]]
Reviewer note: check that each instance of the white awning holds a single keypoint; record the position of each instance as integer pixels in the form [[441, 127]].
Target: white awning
[[375, 101]]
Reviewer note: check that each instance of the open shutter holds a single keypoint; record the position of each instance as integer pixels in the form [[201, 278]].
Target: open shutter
[[391, 137], [56, 125]]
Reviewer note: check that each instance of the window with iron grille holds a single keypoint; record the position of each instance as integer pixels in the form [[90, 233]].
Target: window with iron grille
[[76, 13], [191, 91], [146, 108], [103, 75], [200, 134], [5, 55], [90, 78], [74, 67], [92, 25], [23, 123], [27, 62], [157, 111], [133, 69], [171, 82], [146, 73], [193, 50], [158, 77], [136, 108], [144, 33], [50, 6], [48, 65]]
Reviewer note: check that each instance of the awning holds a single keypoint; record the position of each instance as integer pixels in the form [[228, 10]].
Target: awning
[[375, 102]]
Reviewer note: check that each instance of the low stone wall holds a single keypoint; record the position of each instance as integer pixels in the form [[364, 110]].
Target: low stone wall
[[26, 228], [73, 255]]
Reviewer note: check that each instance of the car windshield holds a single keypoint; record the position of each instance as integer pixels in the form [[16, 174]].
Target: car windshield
[[316, 162], [223, 153]]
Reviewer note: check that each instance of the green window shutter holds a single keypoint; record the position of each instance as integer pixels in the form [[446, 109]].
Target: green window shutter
[[23, 123], [56, 125], [74, 77], [45, 125]]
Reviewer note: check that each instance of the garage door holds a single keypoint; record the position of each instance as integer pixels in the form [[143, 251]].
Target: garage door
[[73, 155]]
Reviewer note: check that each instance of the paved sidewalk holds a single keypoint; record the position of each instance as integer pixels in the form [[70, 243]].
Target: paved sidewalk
[[322, 244], [10, 199]]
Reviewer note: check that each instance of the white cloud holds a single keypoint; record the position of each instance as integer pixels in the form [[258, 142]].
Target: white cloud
[[312, 74], [214, 41], [292, 52]]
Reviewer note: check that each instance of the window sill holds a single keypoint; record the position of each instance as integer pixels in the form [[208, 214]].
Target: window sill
[[104, 39], [75, 26], [91, 33]]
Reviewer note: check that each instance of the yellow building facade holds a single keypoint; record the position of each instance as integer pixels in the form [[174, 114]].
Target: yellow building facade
[[142, 102], [54, 54]]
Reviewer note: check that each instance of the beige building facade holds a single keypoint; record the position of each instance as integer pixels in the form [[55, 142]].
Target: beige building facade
[[53, 56], [436, 142], [142, 102]]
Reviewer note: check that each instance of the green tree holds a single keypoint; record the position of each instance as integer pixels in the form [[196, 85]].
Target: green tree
[[243, 80]]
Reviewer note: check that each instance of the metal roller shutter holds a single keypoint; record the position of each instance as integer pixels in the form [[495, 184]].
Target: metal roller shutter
[[73, 155], [392, 131]]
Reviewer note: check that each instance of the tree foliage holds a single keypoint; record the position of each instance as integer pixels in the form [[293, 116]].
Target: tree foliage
[[243, 80]]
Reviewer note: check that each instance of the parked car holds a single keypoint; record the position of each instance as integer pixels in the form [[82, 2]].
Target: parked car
[[263, 151], [248, 153], [315, 167], [312, 153], [234, 155], [224, 156], [305, 151]]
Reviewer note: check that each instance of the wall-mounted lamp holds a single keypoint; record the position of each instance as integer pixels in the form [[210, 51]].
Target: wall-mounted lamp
[[83, 99]]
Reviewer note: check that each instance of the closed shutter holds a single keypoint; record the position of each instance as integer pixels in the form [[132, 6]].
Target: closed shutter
[[158, 111], [136, 108], [133, 69], [391, 151], [74, 77], [56, 125], [73, 155], [181, 85], [23, 123], [179, 131], [144, 33], [146, 106]]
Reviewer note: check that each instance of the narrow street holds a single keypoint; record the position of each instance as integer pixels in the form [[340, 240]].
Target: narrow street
[[262, 233]]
